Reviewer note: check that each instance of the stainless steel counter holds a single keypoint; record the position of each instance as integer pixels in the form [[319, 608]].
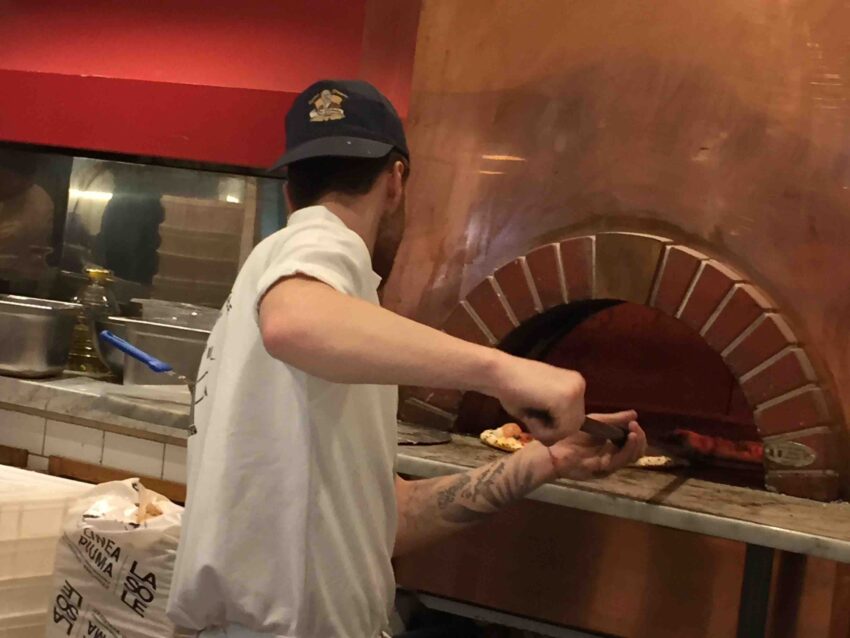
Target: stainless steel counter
[[90, 403]]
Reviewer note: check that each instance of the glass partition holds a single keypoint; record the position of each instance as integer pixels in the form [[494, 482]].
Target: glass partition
[[169, 233]]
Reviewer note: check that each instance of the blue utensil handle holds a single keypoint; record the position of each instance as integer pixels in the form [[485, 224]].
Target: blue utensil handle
[[128, 348]]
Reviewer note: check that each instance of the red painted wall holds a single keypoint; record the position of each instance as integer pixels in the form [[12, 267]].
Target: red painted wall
[[199, 80]]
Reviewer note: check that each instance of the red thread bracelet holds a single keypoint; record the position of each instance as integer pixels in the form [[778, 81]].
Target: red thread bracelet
[[552, 458]]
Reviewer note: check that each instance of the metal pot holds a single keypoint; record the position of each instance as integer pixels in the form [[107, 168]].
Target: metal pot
[[35, 335]]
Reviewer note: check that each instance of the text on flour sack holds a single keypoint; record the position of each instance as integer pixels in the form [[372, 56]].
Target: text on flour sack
[[102, 552], [139, 589], [97, 626], [66, 607]]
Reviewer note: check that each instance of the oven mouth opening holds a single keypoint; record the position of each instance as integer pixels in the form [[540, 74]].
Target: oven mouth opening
[[634, 356]]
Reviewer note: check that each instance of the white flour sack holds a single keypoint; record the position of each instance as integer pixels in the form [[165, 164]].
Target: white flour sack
[[114, 564]]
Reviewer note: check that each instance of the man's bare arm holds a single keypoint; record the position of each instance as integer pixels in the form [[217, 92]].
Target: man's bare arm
[[322, 331], [346, 340]]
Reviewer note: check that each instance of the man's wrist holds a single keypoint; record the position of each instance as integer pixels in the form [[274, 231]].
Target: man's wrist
[[542, 462], [493, 371]]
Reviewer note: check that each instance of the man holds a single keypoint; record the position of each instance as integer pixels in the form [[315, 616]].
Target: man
[[26, 217], [294, 510], [129, 238]]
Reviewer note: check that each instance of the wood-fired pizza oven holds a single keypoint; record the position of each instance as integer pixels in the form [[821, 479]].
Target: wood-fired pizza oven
[[664, 216]]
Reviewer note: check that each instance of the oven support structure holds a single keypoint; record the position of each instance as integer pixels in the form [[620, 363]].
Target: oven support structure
[[755, 591], [477, 612], [753, 609]]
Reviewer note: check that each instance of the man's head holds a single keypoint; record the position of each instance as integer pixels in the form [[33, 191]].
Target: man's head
[[345, 142], [378, 183]]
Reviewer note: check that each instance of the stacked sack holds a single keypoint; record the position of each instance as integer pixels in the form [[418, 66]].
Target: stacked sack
[[114, 564]]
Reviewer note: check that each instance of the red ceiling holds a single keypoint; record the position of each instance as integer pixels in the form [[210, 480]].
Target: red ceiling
[[199, 80]]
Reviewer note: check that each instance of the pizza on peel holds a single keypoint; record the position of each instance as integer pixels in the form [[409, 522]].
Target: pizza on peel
[[509, 438], [512, 438]]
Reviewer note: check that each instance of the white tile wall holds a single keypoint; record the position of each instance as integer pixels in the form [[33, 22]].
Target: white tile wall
[[175, 463], [43, 438], [73, 442], [37, 463], [134, 455], [22, 431]]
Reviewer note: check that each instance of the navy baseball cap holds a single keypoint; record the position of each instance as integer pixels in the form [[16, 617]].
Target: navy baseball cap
[[342, 118]]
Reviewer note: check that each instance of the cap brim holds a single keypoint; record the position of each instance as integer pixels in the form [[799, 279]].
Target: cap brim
[[333, 147]]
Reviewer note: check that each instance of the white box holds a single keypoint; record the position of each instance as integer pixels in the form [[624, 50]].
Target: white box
[[23, 557], [24, 625], [24, 595], [32, 510]]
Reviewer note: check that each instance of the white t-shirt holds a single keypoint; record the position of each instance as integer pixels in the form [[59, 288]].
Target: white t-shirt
[[290, 520]]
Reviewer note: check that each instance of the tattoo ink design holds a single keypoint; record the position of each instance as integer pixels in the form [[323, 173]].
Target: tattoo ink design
[[467, 499]]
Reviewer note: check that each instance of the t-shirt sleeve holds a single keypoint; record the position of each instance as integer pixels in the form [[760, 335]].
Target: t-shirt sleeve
[[324, 251]]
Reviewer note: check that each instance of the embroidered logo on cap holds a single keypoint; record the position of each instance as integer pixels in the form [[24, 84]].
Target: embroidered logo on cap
[[327, 106]]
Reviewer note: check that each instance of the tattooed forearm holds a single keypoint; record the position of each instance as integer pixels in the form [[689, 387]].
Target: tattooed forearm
[[432, 508], [447, 496], [468, 499]]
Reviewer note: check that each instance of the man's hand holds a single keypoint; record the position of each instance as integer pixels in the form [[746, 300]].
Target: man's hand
[[581, 456], [549, 400]]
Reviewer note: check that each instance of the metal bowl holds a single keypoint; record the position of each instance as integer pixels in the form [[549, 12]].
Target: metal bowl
[[36, 335]]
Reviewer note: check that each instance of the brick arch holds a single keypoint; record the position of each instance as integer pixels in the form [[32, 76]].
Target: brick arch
[[734, 316]]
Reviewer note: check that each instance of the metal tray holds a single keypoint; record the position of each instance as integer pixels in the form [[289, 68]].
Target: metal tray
[[35, 335], [180, 347]]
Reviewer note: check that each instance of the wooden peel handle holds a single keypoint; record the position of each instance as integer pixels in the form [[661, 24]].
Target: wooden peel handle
[[590, 426], [617, 436]]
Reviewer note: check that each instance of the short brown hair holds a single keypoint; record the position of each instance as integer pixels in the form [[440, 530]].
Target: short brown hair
[[311, 179]]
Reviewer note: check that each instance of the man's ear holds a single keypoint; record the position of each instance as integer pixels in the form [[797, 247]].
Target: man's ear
[[395, 184]]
